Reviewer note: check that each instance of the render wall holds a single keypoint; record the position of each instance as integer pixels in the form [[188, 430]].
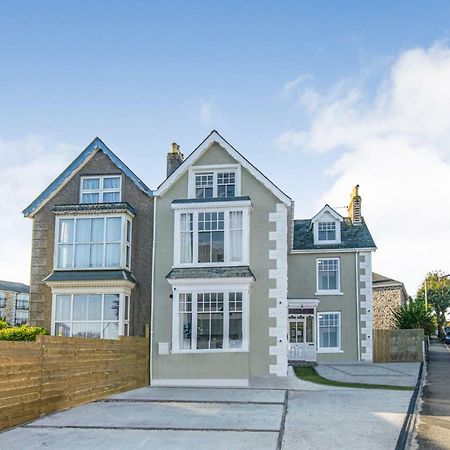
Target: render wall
[[242, 365], [302, 285], [141, 254]]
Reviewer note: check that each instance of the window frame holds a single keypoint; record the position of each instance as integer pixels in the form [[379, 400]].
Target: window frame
[[214, 169], [337, 349], [125, 218], [328, 222], [226, 289], [101, 190], [227, 210], [336, 291], [87, 291]]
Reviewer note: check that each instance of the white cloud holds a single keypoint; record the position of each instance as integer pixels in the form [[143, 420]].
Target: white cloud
[[27, 167], [397, 147], [209, 114]]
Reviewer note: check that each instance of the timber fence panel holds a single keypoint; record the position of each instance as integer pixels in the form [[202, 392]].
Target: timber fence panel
[[58, 372], [397, 345]]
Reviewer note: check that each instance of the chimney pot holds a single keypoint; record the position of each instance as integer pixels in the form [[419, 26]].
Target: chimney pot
[[174, 158]]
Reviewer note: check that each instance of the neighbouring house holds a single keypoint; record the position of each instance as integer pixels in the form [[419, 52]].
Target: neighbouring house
[[388, 296], [240, 287], [14, 299], [92, 249], [235, 288]]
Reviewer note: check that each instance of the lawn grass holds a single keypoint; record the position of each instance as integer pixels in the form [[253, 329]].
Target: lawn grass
[[310, 374]]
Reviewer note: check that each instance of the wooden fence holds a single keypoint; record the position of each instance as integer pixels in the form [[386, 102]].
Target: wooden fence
[[55, 373], [397, 346]]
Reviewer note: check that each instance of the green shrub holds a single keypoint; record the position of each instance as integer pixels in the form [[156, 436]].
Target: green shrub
[[3, 324], [22, 333], [415, 314]]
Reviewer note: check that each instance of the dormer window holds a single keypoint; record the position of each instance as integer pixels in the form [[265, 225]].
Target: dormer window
[[327, 231], [101, 189], [204, 185]]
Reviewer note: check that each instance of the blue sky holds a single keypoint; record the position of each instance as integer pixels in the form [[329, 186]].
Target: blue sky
[[142, 74]]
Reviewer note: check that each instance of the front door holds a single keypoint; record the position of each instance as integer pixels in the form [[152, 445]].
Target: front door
[[301, 338]]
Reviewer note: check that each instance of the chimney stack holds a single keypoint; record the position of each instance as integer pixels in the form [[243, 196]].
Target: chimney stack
[[354, 208], [174, 159]]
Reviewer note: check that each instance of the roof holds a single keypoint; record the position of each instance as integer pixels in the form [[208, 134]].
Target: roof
[[96, 145], [90, 275], [215, 137], [352, 236], [14, 287], [211, 272], [89, 207], [381, 281]]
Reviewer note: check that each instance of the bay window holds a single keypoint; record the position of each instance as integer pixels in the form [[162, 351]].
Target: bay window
[[93, 242], [329, 331], [102, 316], [210, 321], [101, 189], [211, 237]]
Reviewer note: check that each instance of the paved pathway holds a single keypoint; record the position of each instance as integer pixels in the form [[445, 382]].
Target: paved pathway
[[222, 419], [433, 427]]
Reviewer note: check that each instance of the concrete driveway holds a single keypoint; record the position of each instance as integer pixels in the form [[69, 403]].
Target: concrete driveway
[[228, 419]]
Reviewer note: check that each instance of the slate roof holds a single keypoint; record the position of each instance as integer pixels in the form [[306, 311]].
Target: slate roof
[[210, 272], [96, 145], [211, 200], [14, 287], [378, 278], [80, 207], [352, 236], [90, 275]]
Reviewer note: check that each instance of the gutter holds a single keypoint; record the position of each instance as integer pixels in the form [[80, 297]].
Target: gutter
[[153, 293]]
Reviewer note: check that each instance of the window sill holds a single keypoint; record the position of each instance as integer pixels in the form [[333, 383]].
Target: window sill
[[330, 350], [230, 350], [328, 293]]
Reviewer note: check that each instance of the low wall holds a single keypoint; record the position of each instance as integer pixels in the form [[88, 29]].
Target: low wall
[[56, 373], [397, 346]]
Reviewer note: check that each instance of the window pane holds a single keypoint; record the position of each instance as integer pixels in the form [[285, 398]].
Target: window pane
[[66, 231], [83, 231], [79, 329], [93, 330], [96, 255], [204, 247], [62, 308], [80, 307], [82, 254], [62, 329], [129, 231], [97, 230], [111, 311], [112, 255], [127, 256], [90, 198], [126, 307], [113, 229], [218, 246], [185, 331], [111, 197], [91, 183], [65, 256], [202, 330], [110, 330], [216, 330], [94, 307], [235, 330], [111, 183]]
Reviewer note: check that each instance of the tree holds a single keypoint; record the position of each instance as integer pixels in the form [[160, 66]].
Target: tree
[[415, 314], [437, 286]]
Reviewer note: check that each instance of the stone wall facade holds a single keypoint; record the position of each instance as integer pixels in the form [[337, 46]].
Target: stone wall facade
[[43, 244], [386, 300]]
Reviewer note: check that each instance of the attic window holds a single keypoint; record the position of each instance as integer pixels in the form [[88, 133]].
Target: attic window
[[327, 231], [101, 189]]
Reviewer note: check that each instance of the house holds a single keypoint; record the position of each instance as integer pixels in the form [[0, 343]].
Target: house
[[388, 296], [14, 302], [235, 288], [92, 249], [240, 289]]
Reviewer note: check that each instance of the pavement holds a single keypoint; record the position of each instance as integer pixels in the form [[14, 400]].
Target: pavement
[[433, 422], [298, 415]]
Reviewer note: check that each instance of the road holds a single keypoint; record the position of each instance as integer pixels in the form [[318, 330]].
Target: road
[[433, 428]]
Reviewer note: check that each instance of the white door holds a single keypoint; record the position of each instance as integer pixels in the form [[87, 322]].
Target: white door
[[301, 338]]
